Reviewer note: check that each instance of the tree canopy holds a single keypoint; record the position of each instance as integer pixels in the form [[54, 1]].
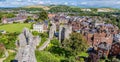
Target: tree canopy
[[76, 44], [63, 8], [43, 15]]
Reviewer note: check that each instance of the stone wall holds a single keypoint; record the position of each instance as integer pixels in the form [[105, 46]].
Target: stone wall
[[26, 46], [52, 31]]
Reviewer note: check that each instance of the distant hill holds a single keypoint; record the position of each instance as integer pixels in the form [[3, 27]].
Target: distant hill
[[38, 6], [76, 8]]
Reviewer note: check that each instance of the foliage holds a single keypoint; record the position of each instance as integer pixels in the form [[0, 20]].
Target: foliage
[[32, 9], [55, 48], [115, 60], [43, 15], [63, 8], [71, 59], [8, 15], [42, 41], [1, 53], [35, 33], [69, 49], [43, 56], [28, 19], [60, 51], [9, 40], [84, 54], [75, 44], [27, 9], [94, 9], [55, 42], [10, 57], [5, 14], [44, 37]]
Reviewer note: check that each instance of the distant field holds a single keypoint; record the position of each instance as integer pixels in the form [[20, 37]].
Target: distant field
[[15, 27]]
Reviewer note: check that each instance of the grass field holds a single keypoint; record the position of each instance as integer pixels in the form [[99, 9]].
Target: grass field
[[15, 27]]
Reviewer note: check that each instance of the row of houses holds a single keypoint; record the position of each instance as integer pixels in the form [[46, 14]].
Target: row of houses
[[20, 17]]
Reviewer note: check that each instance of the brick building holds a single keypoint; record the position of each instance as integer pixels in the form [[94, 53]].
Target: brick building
[[115, 49], [103, 49], [102, 37]]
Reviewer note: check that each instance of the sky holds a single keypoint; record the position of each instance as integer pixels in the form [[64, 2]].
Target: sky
[[80, 3]]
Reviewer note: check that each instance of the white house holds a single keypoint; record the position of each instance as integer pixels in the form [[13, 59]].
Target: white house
[[39, 27]]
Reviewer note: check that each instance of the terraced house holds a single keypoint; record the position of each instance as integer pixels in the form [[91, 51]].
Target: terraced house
[[21, 17]]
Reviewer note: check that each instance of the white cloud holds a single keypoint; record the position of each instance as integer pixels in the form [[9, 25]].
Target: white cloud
[[66, 3], [41, 2], [83, 3], [19, 0], [118, 2], [89, 3]]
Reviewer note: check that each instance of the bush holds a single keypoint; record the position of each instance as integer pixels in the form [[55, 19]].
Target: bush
[[10, 57], [9, 40], [35, 33], [43, 56], [1, 53]]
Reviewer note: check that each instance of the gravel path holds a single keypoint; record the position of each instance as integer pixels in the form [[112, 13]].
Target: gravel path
[[45, 44]]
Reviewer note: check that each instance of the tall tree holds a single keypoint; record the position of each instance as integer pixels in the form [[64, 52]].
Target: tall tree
[[76, 44], [43, 15]]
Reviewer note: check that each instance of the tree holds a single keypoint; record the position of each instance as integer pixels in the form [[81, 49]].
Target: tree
[[35, 33], [9, 40], [54, 47], [43, 15], [8, 15], [115, 60], [28, 19], [76, 44], [94, 9], [44, 56], [64, 8], [2, 50]]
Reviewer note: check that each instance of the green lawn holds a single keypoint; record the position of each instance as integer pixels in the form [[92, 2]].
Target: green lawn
[[15, 27]]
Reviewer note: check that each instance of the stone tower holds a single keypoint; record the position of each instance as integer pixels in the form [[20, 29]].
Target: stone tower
[[64, 32], [52, 31]]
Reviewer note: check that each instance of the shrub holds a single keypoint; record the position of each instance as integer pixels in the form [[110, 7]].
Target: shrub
[[43, 56]]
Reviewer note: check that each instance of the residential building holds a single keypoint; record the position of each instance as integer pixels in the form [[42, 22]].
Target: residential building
[[21, 17], [117, 37], [103, 49], [40, 27], [115, 49], [102, 37]]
